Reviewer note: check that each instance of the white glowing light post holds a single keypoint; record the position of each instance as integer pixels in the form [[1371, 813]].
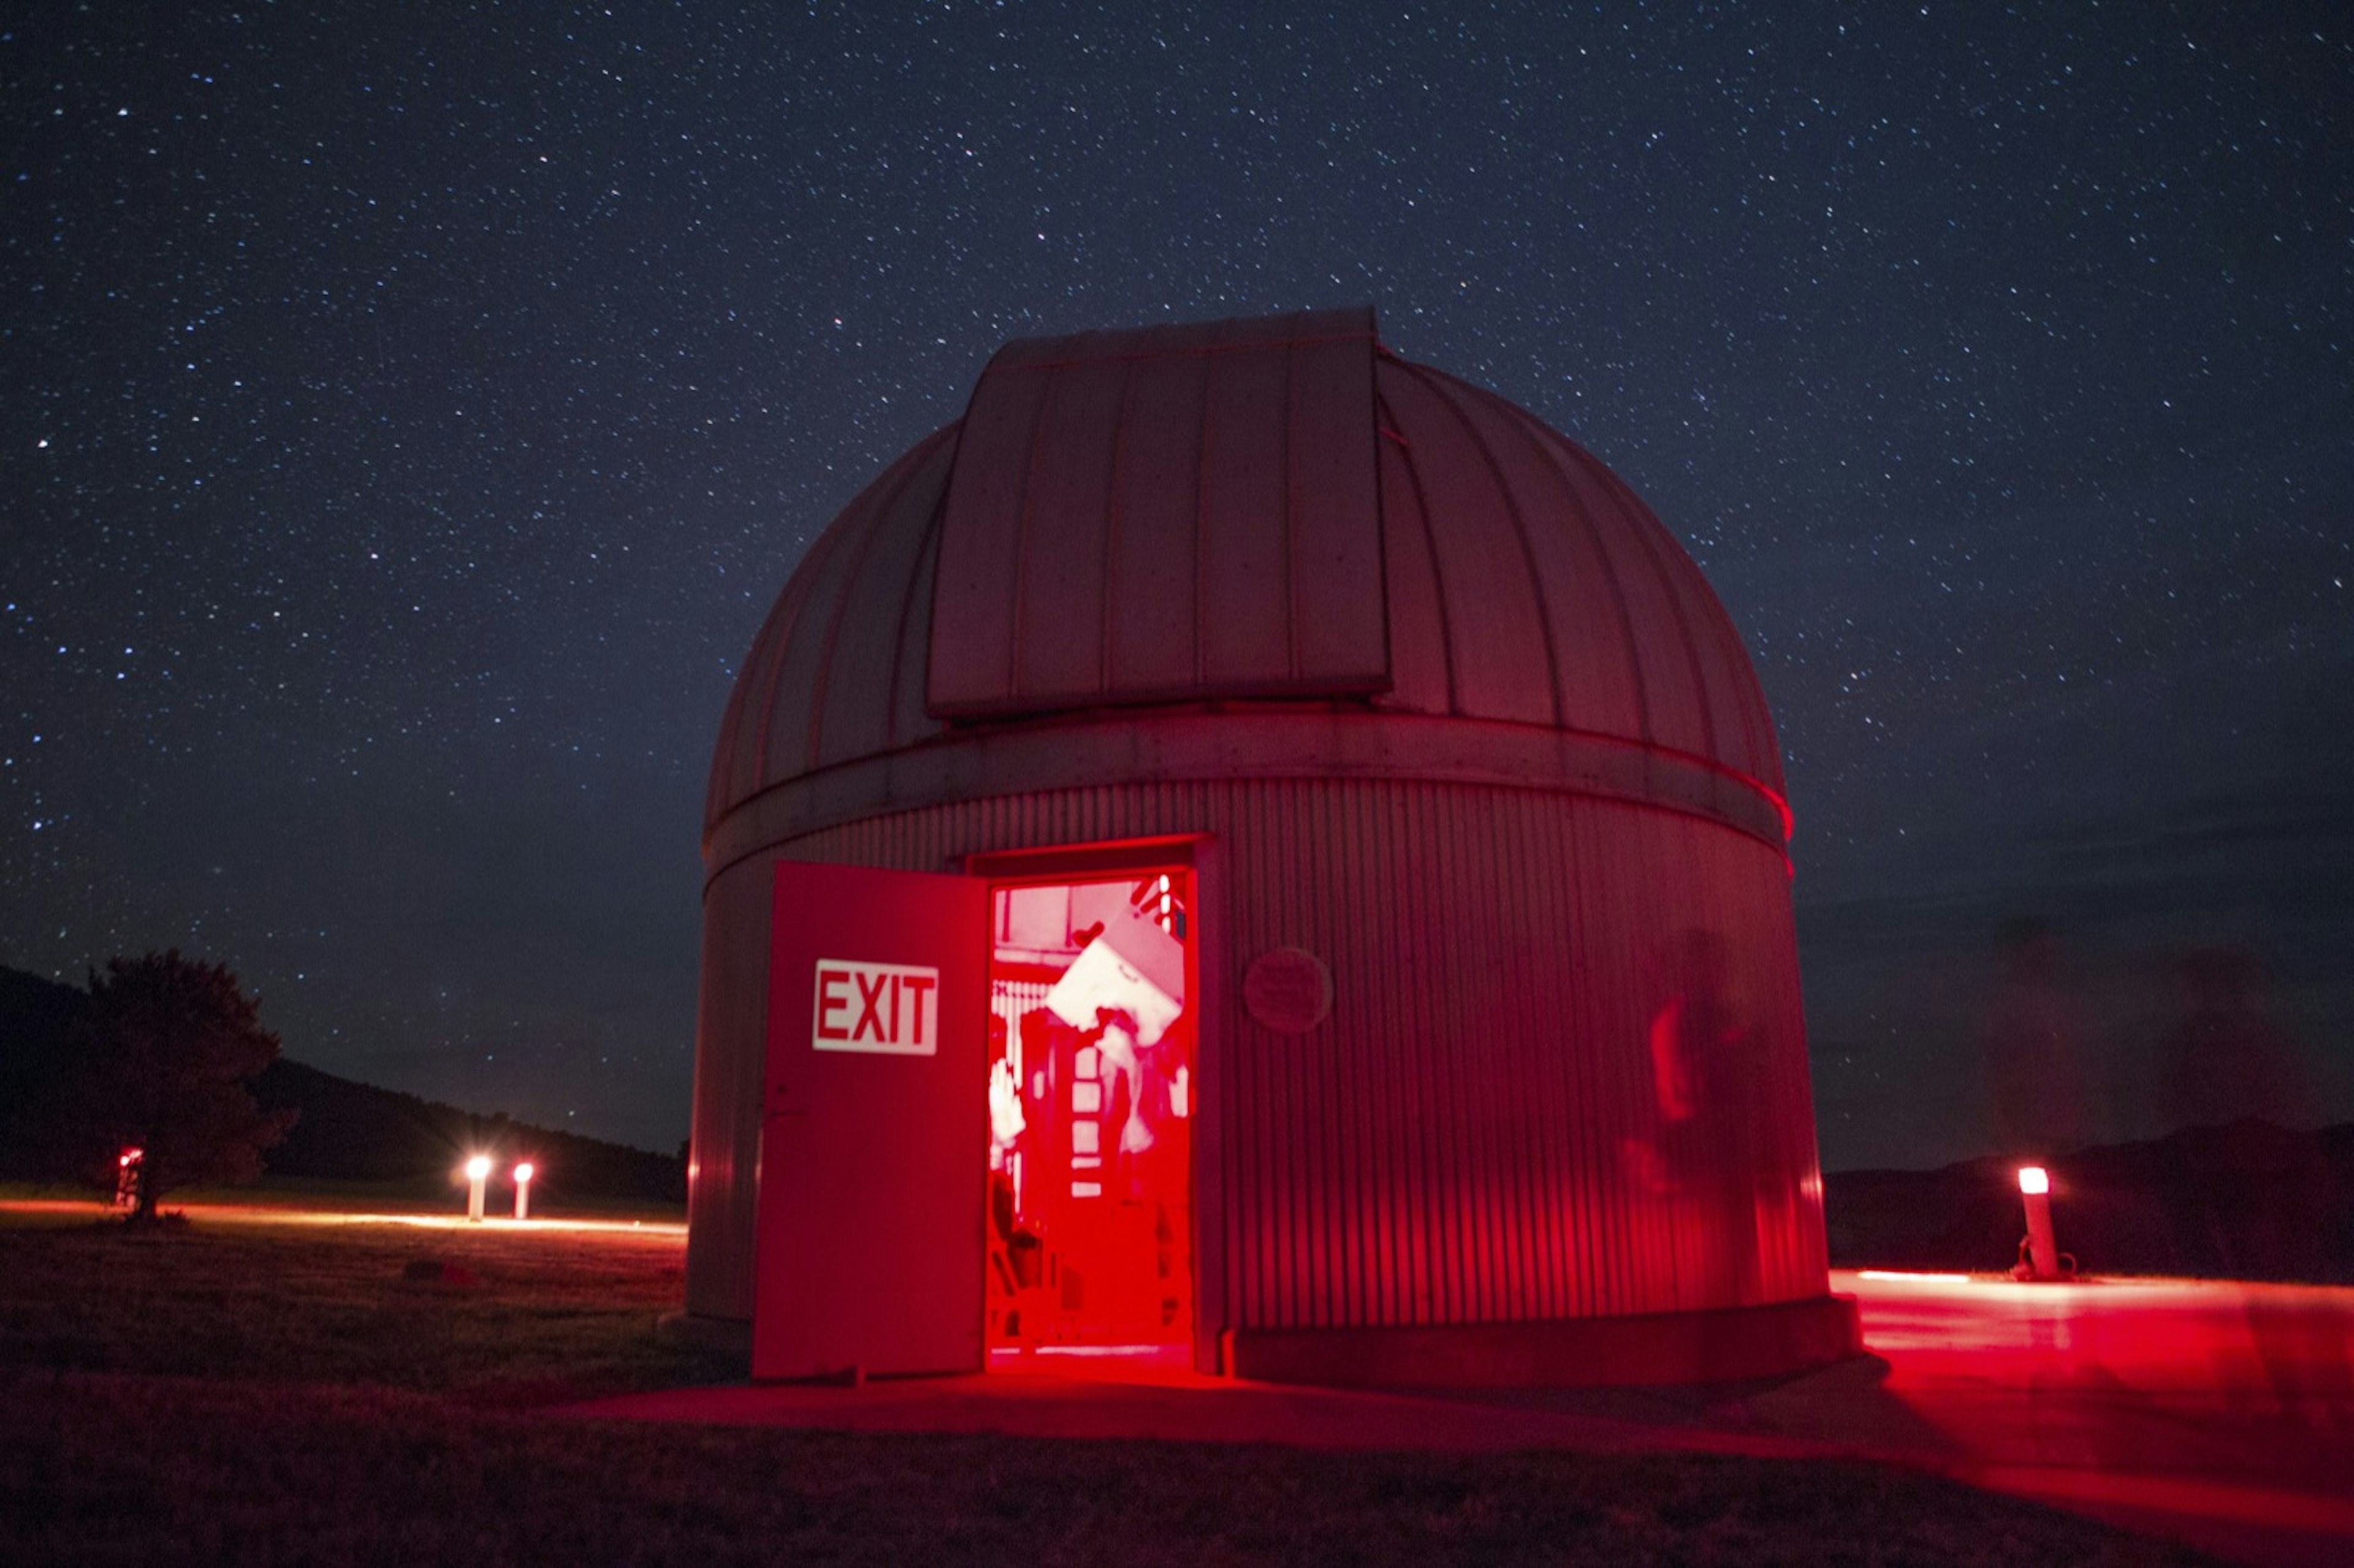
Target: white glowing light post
[[478, 1176], [2043, 1252], [523, 1191]]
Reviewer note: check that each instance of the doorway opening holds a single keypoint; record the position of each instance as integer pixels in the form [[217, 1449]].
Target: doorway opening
[[1091, 1105]]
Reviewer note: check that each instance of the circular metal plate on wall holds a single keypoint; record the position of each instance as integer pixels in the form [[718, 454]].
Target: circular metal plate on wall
[[1287, 990]]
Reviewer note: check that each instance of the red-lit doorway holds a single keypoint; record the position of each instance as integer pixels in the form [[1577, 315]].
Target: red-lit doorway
[[1092, 1099]]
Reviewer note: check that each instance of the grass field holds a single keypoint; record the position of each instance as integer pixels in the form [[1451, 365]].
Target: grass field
[[269, 1392]]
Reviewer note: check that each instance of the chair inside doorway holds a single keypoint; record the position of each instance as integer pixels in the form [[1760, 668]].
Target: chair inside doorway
[[1091, 1107]]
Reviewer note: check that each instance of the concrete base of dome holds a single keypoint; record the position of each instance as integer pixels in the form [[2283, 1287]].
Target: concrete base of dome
[[1722, 1345]]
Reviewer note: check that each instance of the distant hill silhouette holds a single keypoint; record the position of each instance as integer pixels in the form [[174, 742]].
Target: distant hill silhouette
[[2246, 1200], [347, 1131], [355, 1132]]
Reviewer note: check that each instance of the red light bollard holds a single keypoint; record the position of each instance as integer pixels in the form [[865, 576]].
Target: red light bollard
[[2041, 1257], [478, 1176], [522, 1174], [130, 1168]]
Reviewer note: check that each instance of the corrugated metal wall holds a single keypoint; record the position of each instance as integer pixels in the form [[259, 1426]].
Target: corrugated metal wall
[[731, 1051], [1565, 1074], [1534, 830]]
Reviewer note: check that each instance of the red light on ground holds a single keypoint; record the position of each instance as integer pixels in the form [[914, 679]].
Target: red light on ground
[[130, 1166], [2035, 1179], [1908, 1276]]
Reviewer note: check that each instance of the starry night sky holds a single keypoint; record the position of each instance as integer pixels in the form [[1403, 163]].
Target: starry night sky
[[411, 412]]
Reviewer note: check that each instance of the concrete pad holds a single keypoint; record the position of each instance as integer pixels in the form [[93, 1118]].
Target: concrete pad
[[2215, 1412], [1102, 1399]]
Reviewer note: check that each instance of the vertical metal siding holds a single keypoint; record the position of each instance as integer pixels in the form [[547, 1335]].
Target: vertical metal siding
[[1241, 526], [1462, 1140], [829, 633], [790, 683], [902, 694], [1624, 629], [863, 621], [1422, 671], [976, 598], [1042, 566], [1477, 1133], [730, 1060], [1743, 731], [1498, 656], [1059, 601], [1333, 571], [1740, 734], [1149, 560], [1598, 656]]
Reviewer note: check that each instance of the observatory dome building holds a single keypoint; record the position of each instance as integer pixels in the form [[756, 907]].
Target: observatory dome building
[[1252, 850]]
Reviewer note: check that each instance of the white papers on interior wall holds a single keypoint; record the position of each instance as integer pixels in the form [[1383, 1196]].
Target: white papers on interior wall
[[1133, 967]]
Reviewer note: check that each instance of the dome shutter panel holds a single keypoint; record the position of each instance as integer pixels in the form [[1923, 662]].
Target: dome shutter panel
[[1222, 539]]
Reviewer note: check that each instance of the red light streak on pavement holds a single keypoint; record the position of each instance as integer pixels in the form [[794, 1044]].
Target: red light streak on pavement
[[2216, 1413], [671, 1231]]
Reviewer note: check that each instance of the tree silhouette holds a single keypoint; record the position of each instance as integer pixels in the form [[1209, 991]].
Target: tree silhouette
[[160, 1061]]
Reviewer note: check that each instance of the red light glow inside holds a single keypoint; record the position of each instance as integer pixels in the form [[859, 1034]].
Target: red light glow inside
[[523, 1171], [1090, 1105], [2034, 1178]]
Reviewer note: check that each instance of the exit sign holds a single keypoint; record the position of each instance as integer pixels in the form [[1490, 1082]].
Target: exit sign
[[889, 1009]]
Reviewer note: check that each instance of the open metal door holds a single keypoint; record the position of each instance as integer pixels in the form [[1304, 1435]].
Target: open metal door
[[874, 1125]]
